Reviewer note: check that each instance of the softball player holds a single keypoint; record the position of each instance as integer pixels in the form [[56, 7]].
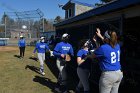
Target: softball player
[[60, 51], [41, 48], [83, 69], [22, 45], [109, 57]]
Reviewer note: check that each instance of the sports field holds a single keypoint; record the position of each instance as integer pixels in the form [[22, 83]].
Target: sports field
[[22, 75]]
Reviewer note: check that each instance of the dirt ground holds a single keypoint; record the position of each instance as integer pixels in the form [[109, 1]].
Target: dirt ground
[[8, 48]]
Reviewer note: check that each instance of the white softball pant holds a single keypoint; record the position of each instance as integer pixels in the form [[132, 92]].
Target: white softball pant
[[41, 57], [110, 81]]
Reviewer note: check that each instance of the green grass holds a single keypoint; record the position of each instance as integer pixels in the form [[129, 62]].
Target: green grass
[[14, 78]]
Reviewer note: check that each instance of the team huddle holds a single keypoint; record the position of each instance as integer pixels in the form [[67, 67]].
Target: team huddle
[[108, 55]]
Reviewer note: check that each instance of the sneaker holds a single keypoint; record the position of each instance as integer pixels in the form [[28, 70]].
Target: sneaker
[[58, 90], [43, 73], [40, 71], [66, 91], [77, 90]]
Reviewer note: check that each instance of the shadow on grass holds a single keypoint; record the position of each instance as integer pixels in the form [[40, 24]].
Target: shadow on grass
[[33, 58], [71, 72], [33, 68], [46, 82], [51, 63], [17, 56]]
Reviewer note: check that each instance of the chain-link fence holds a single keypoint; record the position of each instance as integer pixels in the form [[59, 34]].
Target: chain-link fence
[[26, 23]]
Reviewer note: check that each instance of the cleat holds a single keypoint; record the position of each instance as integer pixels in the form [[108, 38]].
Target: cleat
[[58, 90], [43, 73]]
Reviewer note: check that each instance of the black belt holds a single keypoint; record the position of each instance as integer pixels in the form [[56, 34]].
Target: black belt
[[111, 70]]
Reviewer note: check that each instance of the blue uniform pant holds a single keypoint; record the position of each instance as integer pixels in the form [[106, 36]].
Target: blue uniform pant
[[83, 75], [22, 51]]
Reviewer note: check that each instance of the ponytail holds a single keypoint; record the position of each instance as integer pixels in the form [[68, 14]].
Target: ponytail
[[113, 39]]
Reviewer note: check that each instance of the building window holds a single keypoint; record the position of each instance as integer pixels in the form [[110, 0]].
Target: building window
[[70, 12], [67, 14]]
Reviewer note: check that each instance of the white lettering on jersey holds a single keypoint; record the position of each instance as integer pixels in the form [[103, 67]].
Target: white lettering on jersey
[[65, 48], [113, 57], [118, 55], [42, 46]]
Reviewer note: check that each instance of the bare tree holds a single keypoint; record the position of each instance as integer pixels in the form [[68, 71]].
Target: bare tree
[[58, 19], [8, 20], [1, 28]]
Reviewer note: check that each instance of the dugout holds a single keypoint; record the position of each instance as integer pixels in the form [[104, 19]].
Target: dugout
[[131, 48], [122, 15], [3, 41]]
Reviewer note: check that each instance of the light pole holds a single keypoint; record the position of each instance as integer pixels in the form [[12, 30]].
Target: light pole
[[29, 29], [43, 24], [5, 23]]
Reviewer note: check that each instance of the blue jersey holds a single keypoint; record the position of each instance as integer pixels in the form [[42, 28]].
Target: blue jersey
[[109, 57], [63, 48], [83, 53], [41, 47], [22, 43]]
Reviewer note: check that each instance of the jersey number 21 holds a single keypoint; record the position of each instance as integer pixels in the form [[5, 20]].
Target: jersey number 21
[[113, 57]]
